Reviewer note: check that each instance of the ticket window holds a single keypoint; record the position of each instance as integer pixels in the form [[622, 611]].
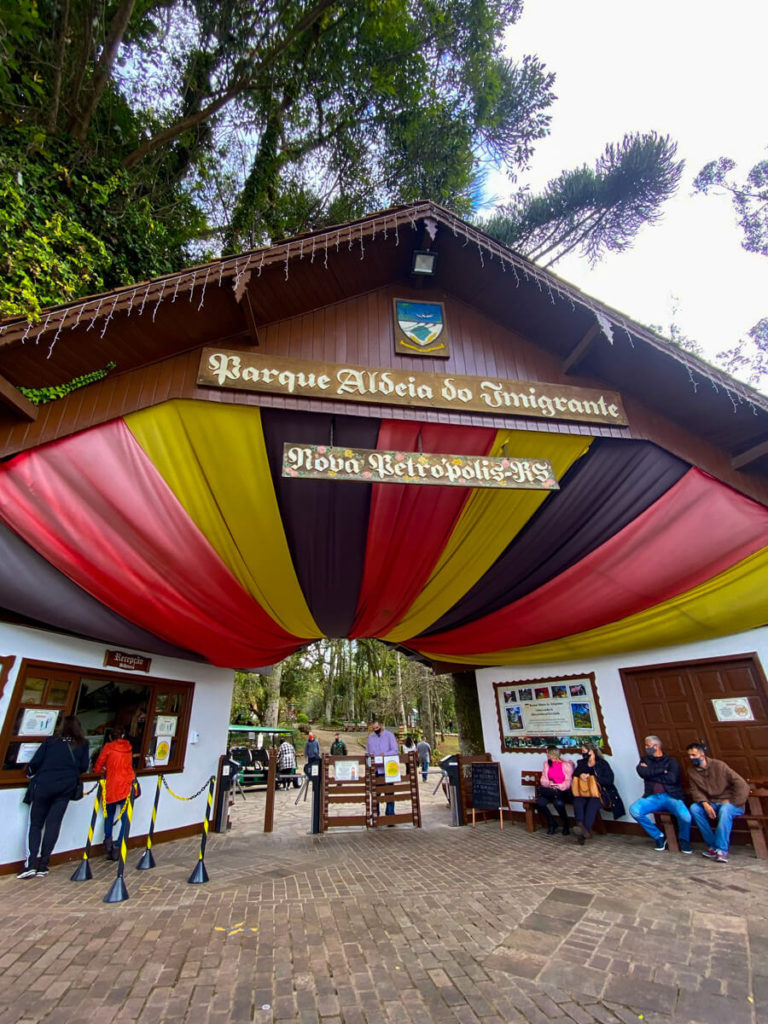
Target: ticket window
[[154, 713]]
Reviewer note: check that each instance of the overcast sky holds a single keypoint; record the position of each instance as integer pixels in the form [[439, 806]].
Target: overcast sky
[[692, 69]]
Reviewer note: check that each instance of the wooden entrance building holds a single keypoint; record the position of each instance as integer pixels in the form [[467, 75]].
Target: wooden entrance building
[[235, 463]]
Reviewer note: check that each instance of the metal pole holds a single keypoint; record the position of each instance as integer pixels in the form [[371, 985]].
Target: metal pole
[[200, 875], [147, 860], [83, 871], [118, 892]]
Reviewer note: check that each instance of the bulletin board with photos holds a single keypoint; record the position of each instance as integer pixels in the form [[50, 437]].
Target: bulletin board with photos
[[559, 711]]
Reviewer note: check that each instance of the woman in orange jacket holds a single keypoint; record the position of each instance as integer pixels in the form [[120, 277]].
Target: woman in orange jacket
[[116, 760]]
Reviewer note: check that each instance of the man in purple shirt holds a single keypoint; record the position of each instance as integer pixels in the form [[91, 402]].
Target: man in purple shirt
[[380, 742]]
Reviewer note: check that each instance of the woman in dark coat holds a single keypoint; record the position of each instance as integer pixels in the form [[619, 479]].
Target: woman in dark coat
[[591, 774], [54, 772]]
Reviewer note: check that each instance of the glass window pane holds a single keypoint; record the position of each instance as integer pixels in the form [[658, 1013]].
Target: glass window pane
[[58, 694], [107, 706], [33, 690]]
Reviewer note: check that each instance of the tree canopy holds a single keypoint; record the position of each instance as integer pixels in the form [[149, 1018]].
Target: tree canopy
[[136, 133], [749, 356]]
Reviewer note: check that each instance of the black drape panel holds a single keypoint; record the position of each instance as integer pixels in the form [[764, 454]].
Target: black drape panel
[[600, 494]]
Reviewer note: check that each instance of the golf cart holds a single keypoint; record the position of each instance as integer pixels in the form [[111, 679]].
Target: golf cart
[[249, 745]]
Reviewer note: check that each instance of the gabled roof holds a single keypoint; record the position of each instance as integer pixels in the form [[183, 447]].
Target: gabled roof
[[169, 526], [232, 298]]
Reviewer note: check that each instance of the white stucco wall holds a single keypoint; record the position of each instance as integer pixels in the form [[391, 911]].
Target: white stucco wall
[[615, 714], [209, 719]]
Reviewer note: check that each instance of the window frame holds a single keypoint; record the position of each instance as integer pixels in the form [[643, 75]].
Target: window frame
[[13, 778]]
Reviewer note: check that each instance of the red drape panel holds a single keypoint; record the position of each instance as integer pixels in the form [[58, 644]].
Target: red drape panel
[[95, 507], [410, 525], [696, 530]]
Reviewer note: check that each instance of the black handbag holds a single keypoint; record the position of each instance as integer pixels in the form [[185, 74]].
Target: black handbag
[[79, 791]]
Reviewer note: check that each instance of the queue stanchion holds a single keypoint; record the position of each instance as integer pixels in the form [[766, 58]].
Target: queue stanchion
[[147, 860], [200, 875], [118, 892], [83, 871]]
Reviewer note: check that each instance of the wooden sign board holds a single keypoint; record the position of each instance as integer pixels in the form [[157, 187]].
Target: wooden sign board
[[129, 662], [486, 786], [365, 465], [277, 375], [487, 789]]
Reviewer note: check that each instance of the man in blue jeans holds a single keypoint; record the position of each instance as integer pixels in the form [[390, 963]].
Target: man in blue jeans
[[663, 792], [720, 795]]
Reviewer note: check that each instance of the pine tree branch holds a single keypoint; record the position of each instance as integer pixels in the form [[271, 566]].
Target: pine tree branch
[[239, 86]]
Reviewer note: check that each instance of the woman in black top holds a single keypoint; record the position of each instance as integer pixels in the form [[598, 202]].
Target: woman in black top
[[54, 771], [592, 772]]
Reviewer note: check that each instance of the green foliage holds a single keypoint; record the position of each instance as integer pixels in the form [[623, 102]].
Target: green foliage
[[39, 396], [748, 358], [248, 698], [600, 209], [67, 229]]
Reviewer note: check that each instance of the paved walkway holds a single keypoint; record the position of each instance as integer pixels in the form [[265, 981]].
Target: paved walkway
[[454, 925]]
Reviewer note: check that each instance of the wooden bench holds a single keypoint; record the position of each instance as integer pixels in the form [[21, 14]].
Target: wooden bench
[[754, 817], [532, 779]]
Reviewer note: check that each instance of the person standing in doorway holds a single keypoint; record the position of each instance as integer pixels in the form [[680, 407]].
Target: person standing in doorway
[[380, 743], [116, 760], [719, 795], [424, 752], [54, 772], [663, 792]]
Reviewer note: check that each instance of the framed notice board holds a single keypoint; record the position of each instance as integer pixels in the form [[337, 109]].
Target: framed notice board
[[557, 711], [482, 788], [486, 786]]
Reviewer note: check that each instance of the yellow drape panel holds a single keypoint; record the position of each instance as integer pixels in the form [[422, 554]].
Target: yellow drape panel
[[214, 459], [488, 523], [731, 602]]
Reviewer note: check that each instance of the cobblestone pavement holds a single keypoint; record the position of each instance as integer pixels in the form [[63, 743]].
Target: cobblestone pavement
[[440, 924]]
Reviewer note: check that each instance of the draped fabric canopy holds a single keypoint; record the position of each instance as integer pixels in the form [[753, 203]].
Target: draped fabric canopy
[[172, 530]]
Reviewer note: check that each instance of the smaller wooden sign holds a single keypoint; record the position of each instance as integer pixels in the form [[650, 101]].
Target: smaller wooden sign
[[486, 786], [129, 662], [488, 790], [365, 465]]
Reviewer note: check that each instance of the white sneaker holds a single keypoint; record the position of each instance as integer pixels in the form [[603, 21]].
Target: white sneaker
[[27, 873], [41, 873]]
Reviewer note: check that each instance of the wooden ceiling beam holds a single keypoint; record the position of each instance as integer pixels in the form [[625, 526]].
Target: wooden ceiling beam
[[14, 400], [578, 353], [750, 455], [249, 316]]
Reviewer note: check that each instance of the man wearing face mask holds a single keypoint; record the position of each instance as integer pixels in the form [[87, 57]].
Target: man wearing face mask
[[663, 792], [380, 742], [720, 795]]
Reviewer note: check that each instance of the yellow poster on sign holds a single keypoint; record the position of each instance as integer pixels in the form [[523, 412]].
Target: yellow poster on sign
[[162, 750], [392, 767]]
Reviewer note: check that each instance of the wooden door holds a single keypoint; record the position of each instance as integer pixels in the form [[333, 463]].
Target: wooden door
[[675, 702]]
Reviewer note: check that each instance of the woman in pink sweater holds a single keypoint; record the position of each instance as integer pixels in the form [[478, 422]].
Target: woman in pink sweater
[[554, 787]]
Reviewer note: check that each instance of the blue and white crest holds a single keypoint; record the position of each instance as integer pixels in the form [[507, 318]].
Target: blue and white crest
[[421, 322]]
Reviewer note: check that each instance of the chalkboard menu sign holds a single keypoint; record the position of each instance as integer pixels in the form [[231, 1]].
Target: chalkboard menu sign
[[486, 786]]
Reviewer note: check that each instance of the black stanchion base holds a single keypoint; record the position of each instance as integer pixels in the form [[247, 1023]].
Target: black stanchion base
[[83, 871], [118, 892], [199, 875], [147, 861]]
